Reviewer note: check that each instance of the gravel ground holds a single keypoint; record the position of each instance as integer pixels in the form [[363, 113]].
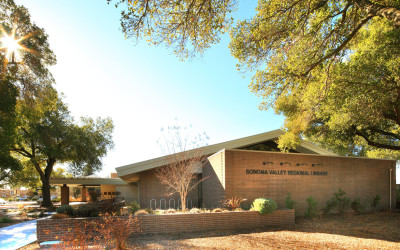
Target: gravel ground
[[368, 231]]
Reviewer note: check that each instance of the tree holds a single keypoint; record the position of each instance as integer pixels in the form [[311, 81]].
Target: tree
[[48, 134], [24, 58], [333, 73], [184, 158], [308, 58]]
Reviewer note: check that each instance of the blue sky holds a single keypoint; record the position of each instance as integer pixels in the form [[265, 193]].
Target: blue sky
[[144, 88]]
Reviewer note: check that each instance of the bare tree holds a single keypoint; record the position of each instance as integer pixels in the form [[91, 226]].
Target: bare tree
[[184, 159]]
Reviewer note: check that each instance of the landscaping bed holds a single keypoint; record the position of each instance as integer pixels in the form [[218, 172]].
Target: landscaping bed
[[53, 229], [367, 231], [13, 216]]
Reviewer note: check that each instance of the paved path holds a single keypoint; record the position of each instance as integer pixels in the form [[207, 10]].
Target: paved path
[[17, 235]]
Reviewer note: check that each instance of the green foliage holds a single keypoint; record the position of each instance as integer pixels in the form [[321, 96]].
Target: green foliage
[[331, 68], [325, 67], [87, 211], [19, 78], [357, 207], [330, 204], [375, 201], [311, 210], [34, 199], [133, 207], [94, 195], [149, 210], [342, 201], [186, 26], [5, 220], [264, 206], [289, 202], [8, 95], [65, 209], [45, 126], [76, 191]]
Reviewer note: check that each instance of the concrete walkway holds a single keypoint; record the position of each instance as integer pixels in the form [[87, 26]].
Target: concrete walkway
[[18, 235]]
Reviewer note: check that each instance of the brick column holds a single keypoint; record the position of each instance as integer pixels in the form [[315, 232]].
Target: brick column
[[64, 195], [83, 193]]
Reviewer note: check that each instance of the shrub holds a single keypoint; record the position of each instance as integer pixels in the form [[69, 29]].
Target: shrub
[[232, 203], [141, 212], [65, 209], [94, 195], [10, 199], [264, 206], [59, 216], [245, 206], [25, 199], [133, 207], [289, 202], [34, 199], [111, 232], [217, 210], [149, 210], [331, 204], [375, 201], [341, 200], [357, 207], [5, 220], [311, 210], [87, 211]]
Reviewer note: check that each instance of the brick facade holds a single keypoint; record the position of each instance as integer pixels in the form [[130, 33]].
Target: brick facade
[[49, 229], [151, 188], [359, 177]]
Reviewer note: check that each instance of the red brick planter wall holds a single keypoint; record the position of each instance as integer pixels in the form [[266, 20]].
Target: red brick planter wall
[[49, 229]]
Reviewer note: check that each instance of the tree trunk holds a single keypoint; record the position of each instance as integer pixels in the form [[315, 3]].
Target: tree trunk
[[46, 192], [183, 201]]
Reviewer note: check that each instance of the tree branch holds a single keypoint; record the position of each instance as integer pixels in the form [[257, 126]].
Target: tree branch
[[376, 144], [338, 49]]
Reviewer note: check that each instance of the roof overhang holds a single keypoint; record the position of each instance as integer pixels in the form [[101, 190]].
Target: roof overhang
[[130, 171], [82, 181]]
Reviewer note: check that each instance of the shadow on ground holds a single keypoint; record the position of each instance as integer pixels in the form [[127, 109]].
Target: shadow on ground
[[382, 226]]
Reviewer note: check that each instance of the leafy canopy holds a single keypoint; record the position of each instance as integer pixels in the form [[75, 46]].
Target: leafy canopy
[[20, 74], [331, 67], [47, 134], [333, 73], [188, 26]]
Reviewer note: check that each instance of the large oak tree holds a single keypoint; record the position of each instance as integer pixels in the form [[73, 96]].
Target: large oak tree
[[47, 134], [22, 70]]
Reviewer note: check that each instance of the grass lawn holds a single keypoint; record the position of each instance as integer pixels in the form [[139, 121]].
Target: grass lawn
[[368, 231]]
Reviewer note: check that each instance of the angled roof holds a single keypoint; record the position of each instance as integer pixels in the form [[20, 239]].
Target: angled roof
[[305, 147]]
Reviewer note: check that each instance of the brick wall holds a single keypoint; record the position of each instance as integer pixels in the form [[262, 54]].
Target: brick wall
[[49, 229], [214, 186], [151, 188], [359, 177]]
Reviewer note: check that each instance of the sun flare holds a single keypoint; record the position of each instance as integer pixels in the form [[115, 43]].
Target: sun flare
[[10, 43], [11, 46]]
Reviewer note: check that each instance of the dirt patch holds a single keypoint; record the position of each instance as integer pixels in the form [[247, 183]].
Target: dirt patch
[[368, 231]]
